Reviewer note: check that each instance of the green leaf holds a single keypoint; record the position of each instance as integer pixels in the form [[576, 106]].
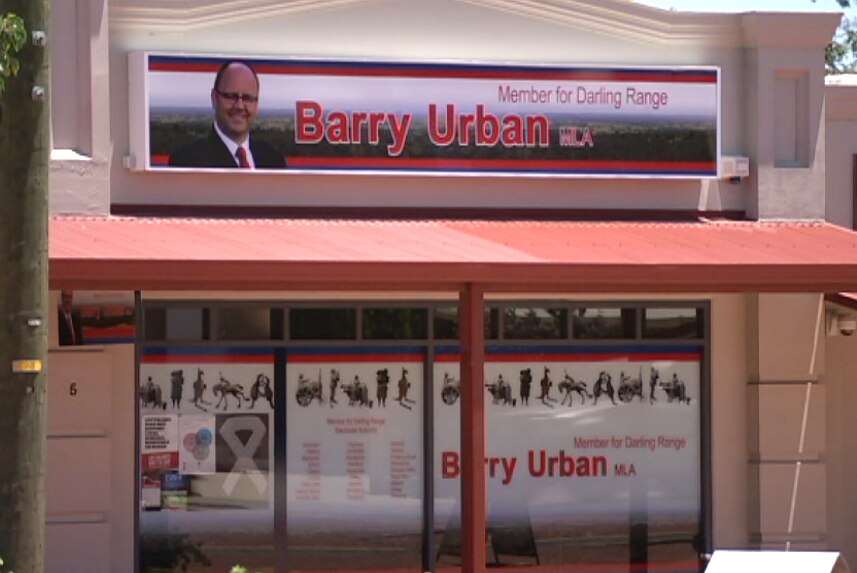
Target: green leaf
[[13, 36]]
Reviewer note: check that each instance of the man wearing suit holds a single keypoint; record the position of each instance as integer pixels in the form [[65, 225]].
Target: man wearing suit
[[235, 101], [70, 332]]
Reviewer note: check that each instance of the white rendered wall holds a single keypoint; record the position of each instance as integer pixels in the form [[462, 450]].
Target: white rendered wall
[[750, 49], [841, 115], [436, 31]]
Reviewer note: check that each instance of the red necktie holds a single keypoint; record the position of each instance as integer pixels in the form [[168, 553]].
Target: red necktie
[[241, 154]]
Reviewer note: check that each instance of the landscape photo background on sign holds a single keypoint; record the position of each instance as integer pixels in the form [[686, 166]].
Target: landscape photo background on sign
[[457, 117]]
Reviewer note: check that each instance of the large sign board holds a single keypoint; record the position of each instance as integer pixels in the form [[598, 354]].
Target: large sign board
[[436, 118]]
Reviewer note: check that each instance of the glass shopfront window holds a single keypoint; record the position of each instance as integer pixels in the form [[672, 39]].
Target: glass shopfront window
[[673, 322], [593, 456], [206, 459], [604, 323], [535, 323], [594, 437], [354, 442]]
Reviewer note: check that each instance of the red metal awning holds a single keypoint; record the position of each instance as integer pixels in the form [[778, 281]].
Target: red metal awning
[[503, 256]]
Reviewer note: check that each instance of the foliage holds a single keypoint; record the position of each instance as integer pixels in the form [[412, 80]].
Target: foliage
[[239, 569], [841, 54], [169, 552], [13, 35]]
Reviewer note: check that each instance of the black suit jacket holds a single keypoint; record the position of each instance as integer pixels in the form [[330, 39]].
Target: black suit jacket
[[211, 153], [65, 332]]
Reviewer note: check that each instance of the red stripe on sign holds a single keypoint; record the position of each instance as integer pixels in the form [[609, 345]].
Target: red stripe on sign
[[160, 160], [156, 66], [600, 357], [344, 358], [453, 72], [489, 74], [208, 359], [490, 164]]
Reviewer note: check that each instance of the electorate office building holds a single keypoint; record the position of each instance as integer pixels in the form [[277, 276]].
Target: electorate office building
[[557, 285]]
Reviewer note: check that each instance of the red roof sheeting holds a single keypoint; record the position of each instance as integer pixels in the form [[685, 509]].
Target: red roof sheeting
[[518, 256]]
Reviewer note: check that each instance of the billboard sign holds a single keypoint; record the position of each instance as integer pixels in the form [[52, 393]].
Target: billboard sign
[[430, 118]]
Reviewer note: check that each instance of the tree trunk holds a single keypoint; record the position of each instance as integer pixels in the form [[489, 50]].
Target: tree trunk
[[24, 157]]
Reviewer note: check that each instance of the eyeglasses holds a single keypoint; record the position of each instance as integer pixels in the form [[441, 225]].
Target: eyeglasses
[[233, 97]]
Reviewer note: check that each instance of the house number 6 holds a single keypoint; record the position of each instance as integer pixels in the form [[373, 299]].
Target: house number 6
[[72, 389]]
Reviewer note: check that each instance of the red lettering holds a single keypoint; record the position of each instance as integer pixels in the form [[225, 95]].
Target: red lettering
[[375, 121], [310, 127], [539, 122], [337, 127], [513, 131], [449, 465], [465, 121], [442, 135], [359, 118], [487, 127]]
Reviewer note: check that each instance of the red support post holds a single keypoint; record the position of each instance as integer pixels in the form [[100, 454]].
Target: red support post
[[473, 480]]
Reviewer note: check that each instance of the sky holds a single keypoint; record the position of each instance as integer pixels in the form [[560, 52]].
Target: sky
[[751, 5]]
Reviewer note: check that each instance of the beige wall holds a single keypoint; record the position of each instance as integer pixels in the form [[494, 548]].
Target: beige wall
[[841, 116], [772, 376], [729, 424], [90, 458], [750, 49], [768, 408], [841, 383]]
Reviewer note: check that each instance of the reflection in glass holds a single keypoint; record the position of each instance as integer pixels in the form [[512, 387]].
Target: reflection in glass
[[672, 323], [446, 323], [593, 323], [575, 484], [187, 323], [395, 323], [244, 323], [322, 324], [354, 462], [520, 323], [155, 323], [206, 460]]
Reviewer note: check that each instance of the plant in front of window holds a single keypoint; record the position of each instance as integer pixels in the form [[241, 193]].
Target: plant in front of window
[[2, 563], [239, 569], [166, 553]]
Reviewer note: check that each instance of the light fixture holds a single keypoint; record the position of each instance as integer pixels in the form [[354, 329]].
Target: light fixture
[[841, 323]]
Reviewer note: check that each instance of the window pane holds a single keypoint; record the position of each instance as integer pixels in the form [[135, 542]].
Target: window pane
[[354, 461], [599, 323], [244, 323], [395, 323], [155, 324], [593, 464], [446, 323], [535, 323], [322, 324], [207, 459], [187, 324], [672, 323]]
